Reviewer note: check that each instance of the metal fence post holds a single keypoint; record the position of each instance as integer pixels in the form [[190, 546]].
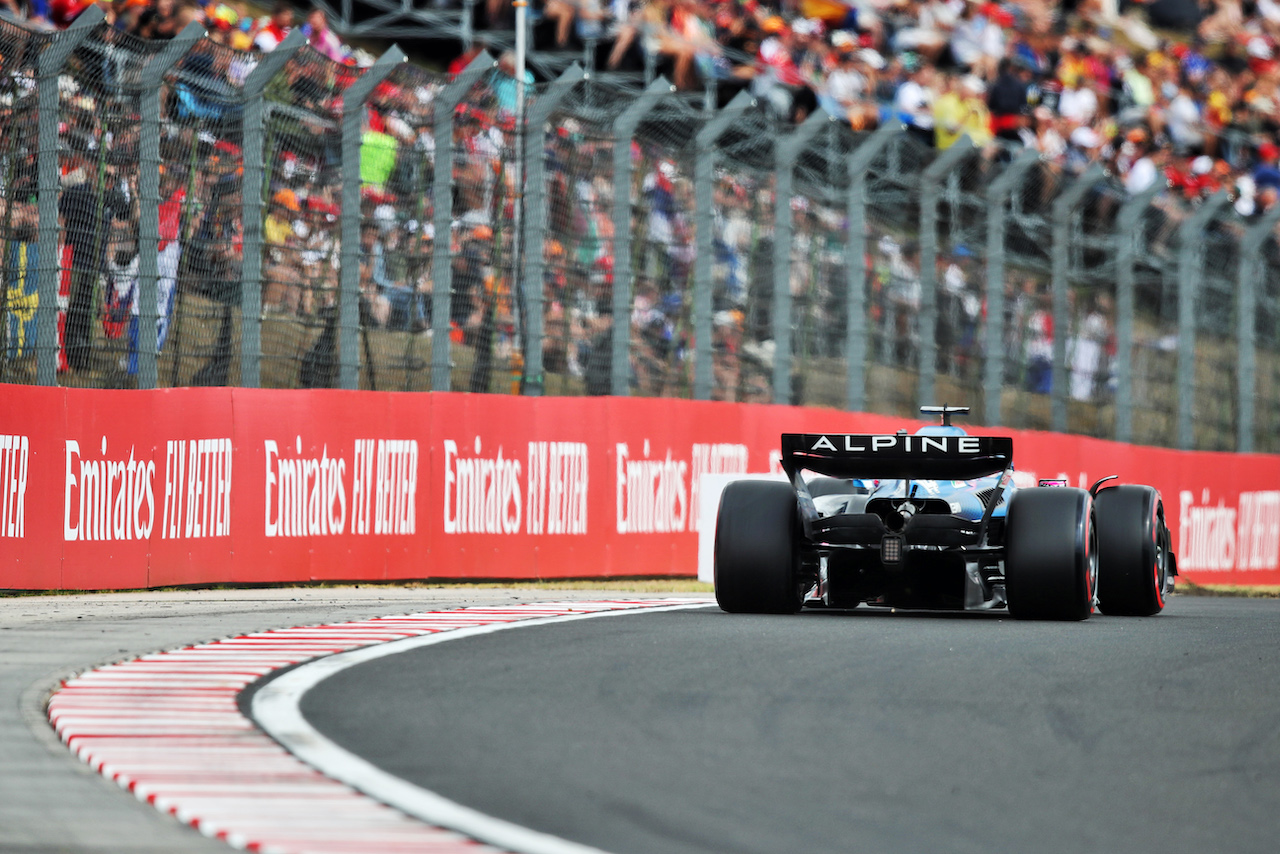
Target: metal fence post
[[149, 198], [1249, 276], [48, 167], [1063, 209], [353, 101], [704, 225], [442, 197], [787, 152], [624, 128], [930, 193], [1128, 237], [535, 221], [994, 367], [252, 205], [466, 28], [855, 263], [1190, 264]]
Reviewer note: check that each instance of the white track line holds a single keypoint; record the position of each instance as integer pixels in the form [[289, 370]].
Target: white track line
[[166, 727]]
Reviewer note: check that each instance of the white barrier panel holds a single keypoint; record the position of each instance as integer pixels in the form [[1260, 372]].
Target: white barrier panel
[[708, 503]]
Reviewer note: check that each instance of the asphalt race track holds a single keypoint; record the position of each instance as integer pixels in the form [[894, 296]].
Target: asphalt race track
[[867, 731]]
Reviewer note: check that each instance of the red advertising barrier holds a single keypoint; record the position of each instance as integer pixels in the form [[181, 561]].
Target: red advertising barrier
[[133, 489]]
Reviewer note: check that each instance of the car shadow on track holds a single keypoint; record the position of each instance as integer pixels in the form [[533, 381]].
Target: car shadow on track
[[903, 613]]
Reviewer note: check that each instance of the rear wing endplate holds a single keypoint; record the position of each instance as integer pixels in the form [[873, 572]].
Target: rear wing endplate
[[896, 456]]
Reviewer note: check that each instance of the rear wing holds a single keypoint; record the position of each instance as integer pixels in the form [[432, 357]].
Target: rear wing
[[896, 456]]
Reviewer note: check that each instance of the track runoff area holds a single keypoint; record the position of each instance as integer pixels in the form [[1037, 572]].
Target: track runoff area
[[682, 728]]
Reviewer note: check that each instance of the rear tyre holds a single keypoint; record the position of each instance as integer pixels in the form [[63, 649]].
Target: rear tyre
[[755, 551], [1051, 554], [1133, 551]]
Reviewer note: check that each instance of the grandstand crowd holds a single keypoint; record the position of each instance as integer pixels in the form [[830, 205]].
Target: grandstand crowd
[[1190, 88], [1186, 92]]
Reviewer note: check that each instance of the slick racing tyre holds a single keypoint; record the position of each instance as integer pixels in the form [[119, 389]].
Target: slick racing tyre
[[1133, 551], [1051, 554], [755, 553]]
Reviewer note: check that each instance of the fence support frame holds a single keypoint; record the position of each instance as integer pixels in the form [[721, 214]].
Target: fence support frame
[[252, 205], [1063, 210], [624, 129], [930, 195], [856, 342], [993, 368], [353, 101], [442, 199], [704, 225], [1250, 275], [149, 199], [1129, 237], [535, 221], [1190, 268], [48, 189], [786, 154]]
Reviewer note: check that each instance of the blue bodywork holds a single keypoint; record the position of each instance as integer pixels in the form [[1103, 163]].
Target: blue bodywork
[[965, 496]]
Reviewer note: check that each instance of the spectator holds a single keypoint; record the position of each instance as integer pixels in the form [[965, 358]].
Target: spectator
[[82, 209], [215, 250], [1266, 174], [165, 19], [127, 14], [21, 278], [931, 21], [1084, 146], [282, 291], [318, 253], [1008, 100], [1039, 347], [324, 40], [174, 194], [462, 60], [503, 82], [977, 41], [913, 102], [1185, 123], [778, 78], [282, 20], [565, 12], [1139, 91], [849, 88], [667, 28], [1146, 169], [62, 13], [404, 308], [1088, 349], [904, 302], [961, 111], [1078, 101]]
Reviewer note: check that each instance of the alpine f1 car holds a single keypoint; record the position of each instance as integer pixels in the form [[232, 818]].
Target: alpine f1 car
[[933, 521]]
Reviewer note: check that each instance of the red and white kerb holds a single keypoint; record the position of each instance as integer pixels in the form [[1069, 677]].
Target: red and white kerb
[[167, 728]]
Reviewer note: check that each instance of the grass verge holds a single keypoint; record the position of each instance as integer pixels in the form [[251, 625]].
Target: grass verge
[[1239, 591]]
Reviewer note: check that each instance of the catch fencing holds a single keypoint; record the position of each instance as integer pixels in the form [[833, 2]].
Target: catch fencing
[[180, 214]]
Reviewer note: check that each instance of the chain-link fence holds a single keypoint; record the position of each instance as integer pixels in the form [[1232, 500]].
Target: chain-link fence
[[19, 115], [178, 213], [743, 168]]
